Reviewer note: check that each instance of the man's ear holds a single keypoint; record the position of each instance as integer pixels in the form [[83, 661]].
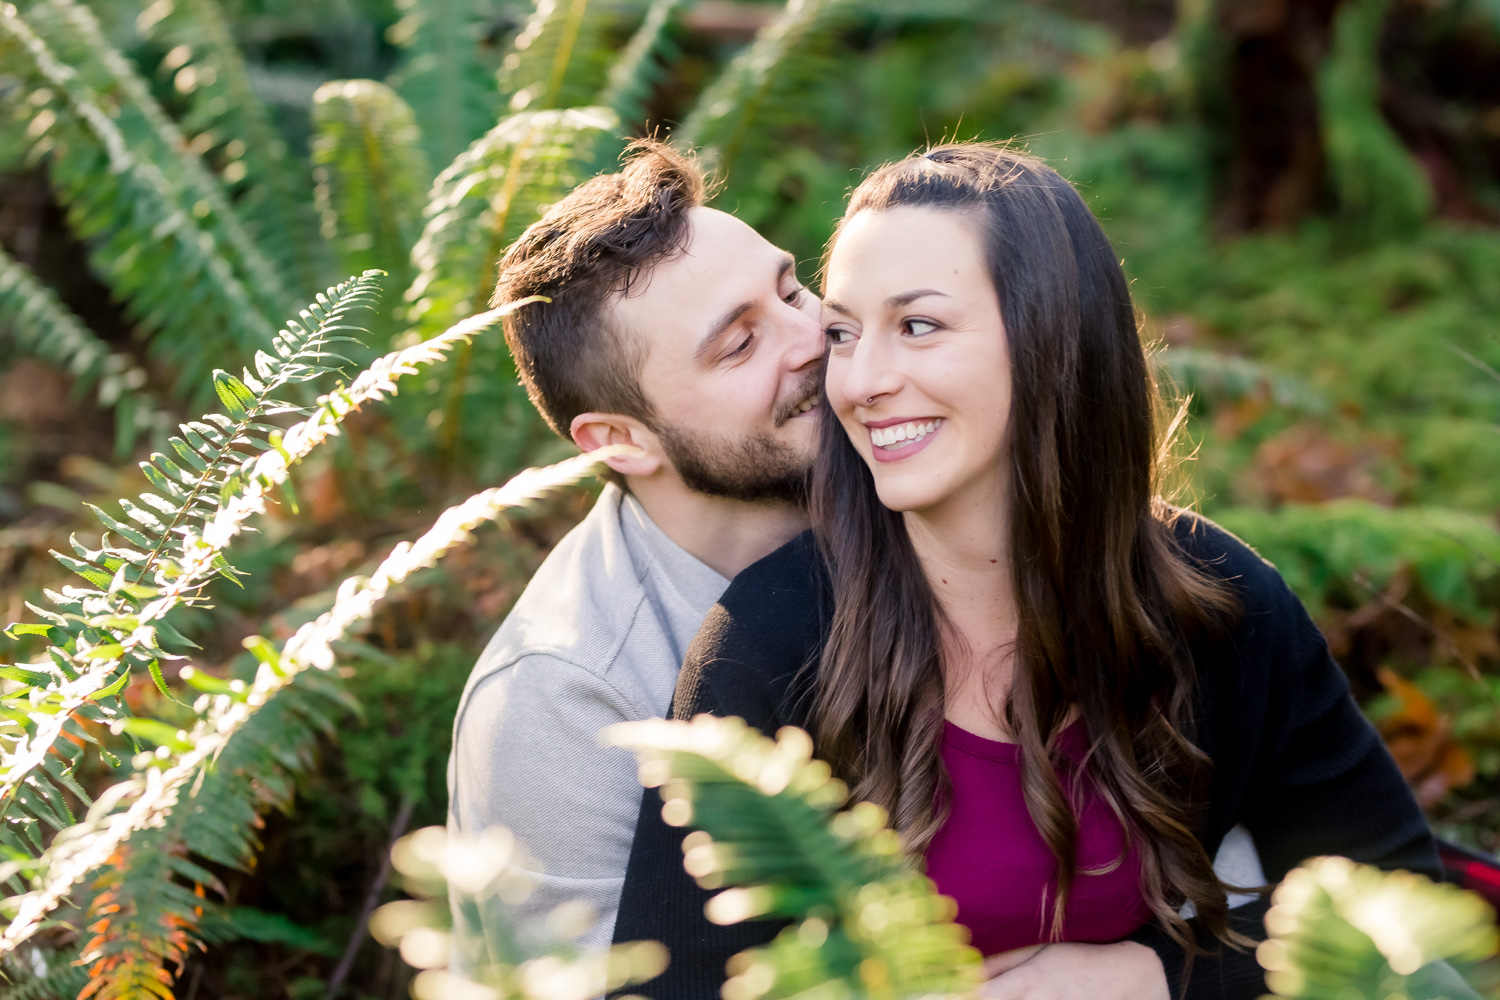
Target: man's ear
[[595, 430]]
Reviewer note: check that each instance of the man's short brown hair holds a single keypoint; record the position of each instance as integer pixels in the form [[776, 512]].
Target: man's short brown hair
[[585, 251]]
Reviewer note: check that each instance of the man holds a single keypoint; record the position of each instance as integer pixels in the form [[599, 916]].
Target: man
[[674, 328]]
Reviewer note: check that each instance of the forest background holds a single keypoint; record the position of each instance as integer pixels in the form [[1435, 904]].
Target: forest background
[[1305, 195]]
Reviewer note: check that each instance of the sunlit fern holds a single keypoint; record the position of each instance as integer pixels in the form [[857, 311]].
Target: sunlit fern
[[226, 120], [637, 70], [139, 197], [371, 175], [769, 826], [735, 115], [477, 876], [445, 75], [560, 59], [1337, 929], [159, 557]]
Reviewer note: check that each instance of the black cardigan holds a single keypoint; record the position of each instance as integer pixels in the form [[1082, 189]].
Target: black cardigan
[[1294, 759]]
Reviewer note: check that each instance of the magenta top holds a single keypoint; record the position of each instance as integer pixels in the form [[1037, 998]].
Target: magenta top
[[989, 856]]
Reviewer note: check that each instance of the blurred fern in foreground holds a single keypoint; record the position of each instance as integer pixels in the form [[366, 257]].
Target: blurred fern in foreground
[[770, 828], [1340, 930]]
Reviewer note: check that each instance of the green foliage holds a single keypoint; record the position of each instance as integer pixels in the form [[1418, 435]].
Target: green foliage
[[161, 557], [1380, 186], [229, 123], [38, 324], [158, 226], [479, 204], [636, 71], [444, 75], [198, 796], [1340, 553], [735, 114], [371, 174], [560, 58], [1338, 930], [769, 825]]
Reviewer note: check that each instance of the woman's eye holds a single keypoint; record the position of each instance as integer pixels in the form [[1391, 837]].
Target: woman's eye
[[838, 335], [918, 327]]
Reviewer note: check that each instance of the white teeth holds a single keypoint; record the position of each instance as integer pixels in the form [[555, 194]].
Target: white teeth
[[805, 405], [899, 434]]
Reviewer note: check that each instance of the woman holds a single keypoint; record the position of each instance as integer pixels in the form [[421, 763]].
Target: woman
[[1064, 692]]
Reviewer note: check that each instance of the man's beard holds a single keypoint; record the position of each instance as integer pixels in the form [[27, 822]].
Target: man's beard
[[757, 468]]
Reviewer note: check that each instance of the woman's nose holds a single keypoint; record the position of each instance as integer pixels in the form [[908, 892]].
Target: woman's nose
[[869, 372]]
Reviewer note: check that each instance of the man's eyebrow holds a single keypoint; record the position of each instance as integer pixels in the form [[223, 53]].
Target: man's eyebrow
[[784, 264]]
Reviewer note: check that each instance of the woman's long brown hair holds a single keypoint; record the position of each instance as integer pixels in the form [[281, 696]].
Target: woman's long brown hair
[[1109, 606]]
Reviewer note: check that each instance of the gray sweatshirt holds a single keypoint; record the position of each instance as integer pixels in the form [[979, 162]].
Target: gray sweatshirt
[[596, 638]]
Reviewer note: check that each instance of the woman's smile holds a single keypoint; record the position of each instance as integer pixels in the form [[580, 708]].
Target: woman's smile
[[901, 437]]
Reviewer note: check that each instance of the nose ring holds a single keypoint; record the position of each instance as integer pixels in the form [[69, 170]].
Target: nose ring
[[869, 400]]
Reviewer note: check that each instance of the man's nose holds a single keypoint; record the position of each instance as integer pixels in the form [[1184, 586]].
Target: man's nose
[[804, 339]]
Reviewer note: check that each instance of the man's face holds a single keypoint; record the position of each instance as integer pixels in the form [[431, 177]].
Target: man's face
[[733, 361]]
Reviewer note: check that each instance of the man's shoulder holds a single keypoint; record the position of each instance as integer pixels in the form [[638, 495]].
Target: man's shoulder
[[579, 606]]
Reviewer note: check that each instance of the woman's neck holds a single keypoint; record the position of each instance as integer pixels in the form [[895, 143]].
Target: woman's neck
[[964, 552]]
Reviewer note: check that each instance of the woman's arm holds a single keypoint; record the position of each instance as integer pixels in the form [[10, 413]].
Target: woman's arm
[[1295, 761]]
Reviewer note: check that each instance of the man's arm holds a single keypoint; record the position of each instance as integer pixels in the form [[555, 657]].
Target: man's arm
[[526, 756]]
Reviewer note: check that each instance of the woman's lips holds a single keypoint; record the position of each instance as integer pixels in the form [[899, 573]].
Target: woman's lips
[[905, 449]]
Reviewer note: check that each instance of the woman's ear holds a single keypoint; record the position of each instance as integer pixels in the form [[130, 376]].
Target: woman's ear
[[595, 430]]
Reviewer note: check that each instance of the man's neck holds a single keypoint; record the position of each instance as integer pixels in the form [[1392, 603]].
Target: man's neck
[[726, 535]]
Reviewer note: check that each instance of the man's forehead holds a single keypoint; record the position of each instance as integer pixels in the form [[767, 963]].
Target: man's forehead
[[724, 263]]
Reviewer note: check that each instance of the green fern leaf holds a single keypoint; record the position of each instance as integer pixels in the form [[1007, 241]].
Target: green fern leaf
[[560, 59], [371, 174], [769, 826], [727, 123], [444, 75], [156, 221], [636, 71], [228, 122], [478, 205]]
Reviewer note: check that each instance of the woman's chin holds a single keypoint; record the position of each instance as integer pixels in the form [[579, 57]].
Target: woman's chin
[[906, 497]]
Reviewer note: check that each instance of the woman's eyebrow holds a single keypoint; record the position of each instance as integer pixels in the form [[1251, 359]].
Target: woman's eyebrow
[[894, 302], [907, 298]]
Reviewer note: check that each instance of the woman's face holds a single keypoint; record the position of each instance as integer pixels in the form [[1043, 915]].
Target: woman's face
[[918, 370]]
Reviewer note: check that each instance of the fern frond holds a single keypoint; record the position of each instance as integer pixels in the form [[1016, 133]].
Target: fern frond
[[226, 118], [371, 174], [559, 59], [443, 74], [769, 824], [73, 32], [149, 904], [478, 205], [43, 327], [154, 220], [144, 568], [636, 71], [1340, 929], [473, 873], [42, 974], [1216, 376], [788, 54], [150, 794]]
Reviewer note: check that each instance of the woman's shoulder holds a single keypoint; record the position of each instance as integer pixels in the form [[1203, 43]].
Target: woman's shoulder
[[1225, 556]]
